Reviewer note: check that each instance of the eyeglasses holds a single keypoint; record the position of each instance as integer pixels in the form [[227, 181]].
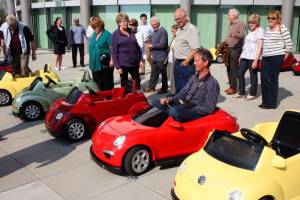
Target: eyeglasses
[[272, 18], [251, 22]]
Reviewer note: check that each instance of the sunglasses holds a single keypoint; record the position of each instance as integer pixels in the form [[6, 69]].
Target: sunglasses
[[251, 22], [272, 18]]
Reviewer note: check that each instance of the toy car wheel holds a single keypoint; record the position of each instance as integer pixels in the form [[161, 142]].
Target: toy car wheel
[[5, 98], [137, 161], [219, 59], [31, 111], [75, 130]]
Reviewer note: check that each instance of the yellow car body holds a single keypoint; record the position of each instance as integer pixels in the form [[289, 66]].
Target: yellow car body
[[10, 85], [276, 174], [218, 58]]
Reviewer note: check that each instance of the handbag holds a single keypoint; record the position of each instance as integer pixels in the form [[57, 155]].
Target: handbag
[[105, 60]]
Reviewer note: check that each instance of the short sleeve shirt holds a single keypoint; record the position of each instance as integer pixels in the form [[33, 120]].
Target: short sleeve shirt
[[250, 43], [187, 39]]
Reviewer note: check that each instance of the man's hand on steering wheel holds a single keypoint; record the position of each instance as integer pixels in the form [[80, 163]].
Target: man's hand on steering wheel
[[164, 101]]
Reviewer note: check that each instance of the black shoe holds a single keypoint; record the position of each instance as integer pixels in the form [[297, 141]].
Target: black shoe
[[262, 106], [82, 66], [162, 92], [74, 66]]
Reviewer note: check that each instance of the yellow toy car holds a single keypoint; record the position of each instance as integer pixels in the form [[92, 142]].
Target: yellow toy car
[[258, 164], [11, 85], [218, 58]]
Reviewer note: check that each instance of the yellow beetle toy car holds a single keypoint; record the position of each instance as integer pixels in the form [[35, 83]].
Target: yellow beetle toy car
[[11, 85], [258, 164]]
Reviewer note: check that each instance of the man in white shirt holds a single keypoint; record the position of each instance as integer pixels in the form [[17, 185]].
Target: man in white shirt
[[146, 30]]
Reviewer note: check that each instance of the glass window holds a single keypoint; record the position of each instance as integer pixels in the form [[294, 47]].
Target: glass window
[[40, 36], [205, 18], [165, 14], [134, 11], [108, 14], [74, 12]]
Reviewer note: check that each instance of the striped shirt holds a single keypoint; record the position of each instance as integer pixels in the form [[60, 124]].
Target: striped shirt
[[277, 42]]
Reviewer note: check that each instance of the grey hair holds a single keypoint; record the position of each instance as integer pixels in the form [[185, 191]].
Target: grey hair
[[75, 19], [234, 11], [11, 19], [181, 11], [155, 19]]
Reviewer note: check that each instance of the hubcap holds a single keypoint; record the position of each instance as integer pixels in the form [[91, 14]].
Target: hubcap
[[140, 161], [76, 130], [4, 98], [32, 111]]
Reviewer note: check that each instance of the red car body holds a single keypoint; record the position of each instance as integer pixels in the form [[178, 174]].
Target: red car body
[[5, 66], [288, 64], [91, 109], [164, 141]]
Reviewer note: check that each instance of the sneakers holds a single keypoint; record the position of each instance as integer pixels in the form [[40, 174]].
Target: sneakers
[[239, 96], [149, 90], [250, 97], [62, 67], [57, 68]]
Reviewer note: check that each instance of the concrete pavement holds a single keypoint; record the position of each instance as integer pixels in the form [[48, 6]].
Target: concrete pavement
[[34, 165]]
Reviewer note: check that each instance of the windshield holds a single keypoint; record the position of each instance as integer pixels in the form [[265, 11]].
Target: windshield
[[2, 73], [73, 96], [152, 117], [36, 82], [233, 150]]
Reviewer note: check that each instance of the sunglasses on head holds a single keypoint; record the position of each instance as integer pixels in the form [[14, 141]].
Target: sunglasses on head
[[272, 18]]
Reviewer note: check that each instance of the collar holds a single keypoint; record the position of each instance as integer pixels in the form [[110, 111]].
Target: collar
[[237, 20], [203, 77], [185, 26], [128, 29]]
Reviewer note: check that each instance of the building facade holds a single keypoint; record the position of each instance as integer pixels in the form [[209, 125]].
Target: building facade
[[210, 16]]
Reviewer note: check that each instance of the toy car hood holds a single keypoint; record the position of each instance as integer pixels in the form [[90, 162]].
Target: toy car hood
[[207, 173], [5, 76], [122, 125]]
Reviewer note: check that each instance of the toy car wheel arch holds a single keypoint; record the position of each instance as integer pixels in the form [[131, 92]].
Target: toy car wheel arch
[[5, 98], [31, 111], [75, 130], [137, 161]]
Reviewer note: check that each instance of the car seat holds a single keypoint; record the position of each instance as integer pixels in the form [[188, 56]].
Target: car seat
[[286, 140], [118, 93]]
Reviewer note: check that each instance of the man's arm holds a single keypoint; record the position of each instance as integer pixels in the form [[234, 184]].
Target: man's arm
[[240, 34], [33, 49], [189, 58]]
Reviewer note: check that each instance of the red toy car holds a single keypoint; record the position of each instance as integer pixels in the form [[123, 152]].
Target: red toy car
[[78, 115], [288, 64], [131, 143], [296, 69], [6, 66]]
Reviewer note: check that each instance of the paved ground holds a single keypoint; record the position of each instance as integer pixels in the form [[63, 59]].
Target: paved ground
[[34, 165]]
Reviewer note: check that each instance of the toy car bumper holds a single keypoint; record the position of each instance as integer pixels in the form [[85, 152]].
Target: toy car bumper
[[15, 110], [103, 164], [173, 195]]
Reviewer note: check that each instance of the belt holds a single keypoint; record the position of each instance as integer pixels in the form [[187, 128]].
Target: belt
[[179, 60]]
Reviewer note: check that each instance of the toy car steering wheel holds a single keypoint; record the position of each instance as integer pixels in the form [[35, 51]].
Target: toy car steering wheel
[[91, 91], [50, 80], [254, 137]]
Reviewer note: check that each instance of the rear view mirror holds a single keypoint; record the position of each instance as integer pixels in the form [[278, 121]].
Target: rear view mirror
[[279, 162], [177, 125]]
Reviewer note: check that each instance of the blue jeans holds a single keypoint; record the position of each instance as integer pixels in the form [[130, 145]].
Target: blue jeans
[[182, 74], [269, 79], [178, 112], [246, 64]]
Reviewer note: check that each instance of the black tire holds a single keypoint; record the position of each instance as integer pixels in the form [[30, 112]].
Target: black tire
[[5, 98], [219, 59], [133, 164], [31, 111], [75, 130]]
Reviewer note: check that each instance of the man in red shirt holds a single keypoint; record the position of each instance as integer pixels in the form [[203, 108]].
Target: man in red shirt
[[18, 41]]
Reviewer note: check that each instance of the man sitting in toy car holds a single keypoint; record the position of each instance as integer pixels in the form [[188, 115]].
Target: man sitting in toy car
[[198, 97]]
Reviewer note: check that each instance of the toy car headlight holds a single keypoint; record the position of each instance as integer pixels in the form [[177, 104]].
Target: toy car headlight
[[235, 195], [59, 116], [182, 167], [102, 124], [119, 141]]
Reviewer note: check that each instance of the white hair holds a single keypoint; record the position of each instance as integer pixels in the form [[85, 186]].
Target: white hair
[[234, 11], [154, 19], [75, 19], [11, 19]]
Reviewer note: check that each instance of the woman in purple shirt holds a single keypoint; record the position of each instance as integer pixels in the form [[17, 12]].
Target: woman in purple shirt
[[126, 53]]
